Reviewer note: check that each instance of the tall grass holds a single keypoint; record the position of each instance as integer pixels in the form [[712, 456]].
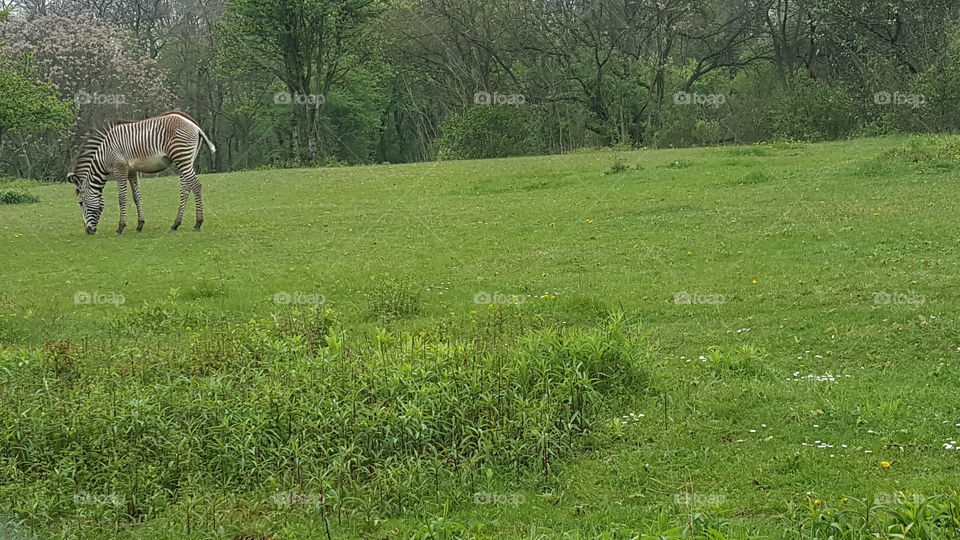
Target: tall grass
[[293, 403]]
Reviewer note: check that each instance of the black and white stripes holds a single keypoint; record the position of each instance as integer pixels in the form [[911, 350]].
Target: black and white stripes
[[128, 148]]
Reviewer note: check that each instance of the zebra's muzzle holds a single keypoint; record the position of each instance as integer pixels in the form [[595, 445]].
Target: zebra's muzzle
[[91, 230]]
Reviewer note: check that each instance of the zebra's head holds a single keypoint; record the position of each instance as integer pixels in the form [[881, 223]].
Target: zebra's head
[[90, 200]]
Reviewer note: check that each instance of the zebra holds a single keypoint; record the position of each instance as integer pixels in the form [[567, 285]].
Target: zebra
[[126, 149]]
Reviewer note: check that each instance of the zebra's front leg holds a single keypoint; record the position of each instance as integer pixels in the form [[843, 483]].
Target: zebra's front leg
[[184, 193], [122, 195], [134, 178]]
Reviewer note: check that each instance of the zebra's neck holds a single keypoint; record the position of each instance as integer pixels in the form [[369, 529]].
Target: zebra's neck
[[90, 164]]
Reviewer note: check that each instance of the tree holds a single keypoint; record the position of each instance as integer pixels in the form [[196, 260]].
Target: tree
[[28, 107], [309, 45], [92, 63]]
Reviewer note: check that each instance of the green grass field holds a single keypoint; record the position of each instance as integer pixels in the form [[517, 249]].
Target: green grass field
[[720, 342]]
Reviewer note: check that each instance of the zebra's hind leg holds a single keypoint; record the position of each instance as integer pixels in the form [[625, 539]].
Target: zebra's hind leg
[[197, 188], [120, 174], [134, 179], [184, 193], [188, 182]]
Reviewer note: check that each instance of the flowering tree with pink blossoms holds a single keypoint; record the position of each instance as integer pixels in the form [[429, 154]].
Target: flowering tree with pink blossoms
[[91, 63]]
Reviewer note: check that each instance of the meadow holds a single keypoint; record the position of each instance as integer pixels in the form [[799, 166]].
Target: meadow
[[730, 342]]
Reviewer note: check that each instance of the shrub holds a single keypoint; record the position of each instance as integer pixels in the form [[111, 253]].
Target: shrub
[[689, 125], [486, 132], [618, 167], [812, 110], [17, 197]]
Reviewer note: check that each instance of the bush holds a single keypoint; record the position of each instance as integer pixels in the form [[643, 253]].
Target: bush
[[487, 132], [619, 167], [17, 197], [690, 125], [813, 111]]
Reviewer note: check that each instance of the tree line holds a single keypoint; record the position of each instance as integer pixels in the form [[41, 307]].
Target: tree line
[[281, 83]]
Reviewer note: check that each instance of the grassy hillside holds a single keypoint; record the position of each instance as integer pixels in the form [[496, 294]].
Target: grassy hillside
[[755, 340]]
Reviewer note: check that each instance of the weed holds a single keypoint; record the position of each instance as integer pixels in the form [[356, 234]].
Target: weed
[[393, 299], [925, 148], [618, 166], [17, 197]]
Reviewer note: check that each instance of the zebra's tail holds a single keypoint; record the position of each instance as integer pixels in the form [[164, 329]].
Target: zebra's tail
[[213, 149]]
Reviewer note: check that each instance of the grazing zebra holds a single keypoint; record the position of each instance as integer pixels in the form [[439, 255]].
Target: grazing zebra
[[128, 148]]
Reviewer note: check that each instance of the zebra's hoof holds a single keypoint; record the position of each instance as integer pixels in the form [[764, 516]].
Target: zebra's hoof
[[120, 229], [196, 228], [174, 227], [139, 226]]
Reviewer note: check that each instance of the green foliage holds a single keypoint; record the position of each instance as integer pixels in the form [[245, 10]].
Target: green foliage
[[486, 132], [921, 149], [384, 97], [890, 515], [353, 114], [165, 315], [17, 197], [27, 107], [813, 110], [254, 408], [284, 39], [685, 126], [746, 361], [618, 166], [393, 299]]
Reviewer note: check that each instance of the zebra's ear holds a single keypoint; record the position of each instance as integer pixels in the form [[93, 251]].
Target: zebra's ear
[[73, 179]]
